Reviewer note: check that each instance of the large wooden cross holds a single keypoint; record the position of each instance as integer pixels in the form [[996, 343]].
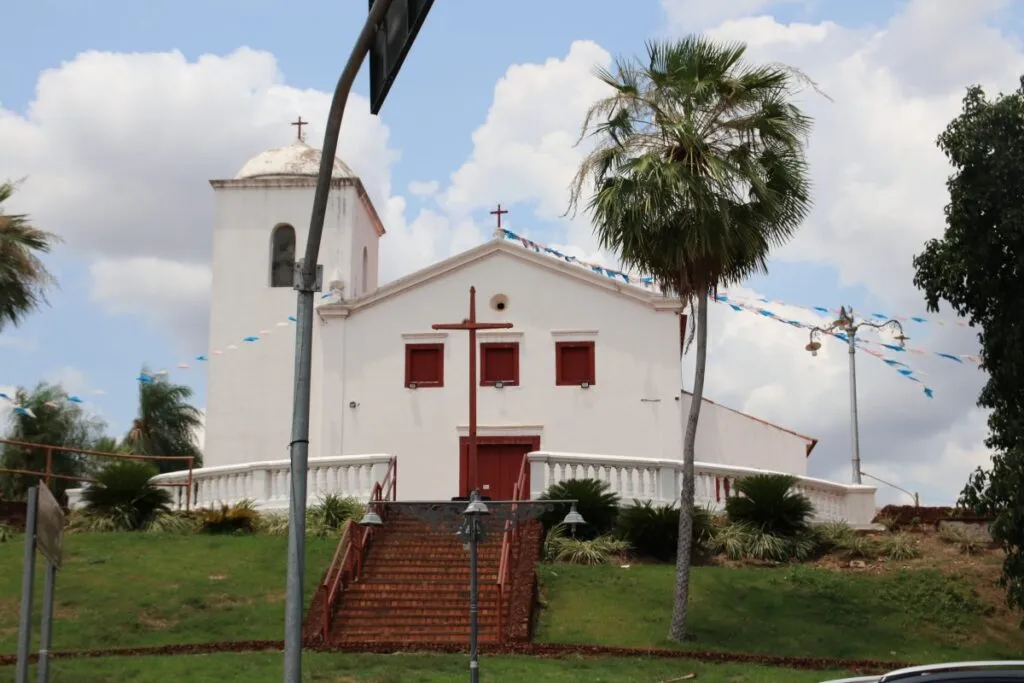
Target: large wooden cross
[[470, 324]]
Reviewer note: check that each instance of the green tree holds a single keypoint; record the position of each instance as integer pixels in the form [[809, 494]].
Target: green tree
[[23, 277], [977, 268], [698, 172], [49, 420], [166, 423]]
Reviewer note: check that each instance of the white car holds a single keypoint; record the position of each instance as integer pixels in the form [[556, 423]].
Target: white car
[[954, 672]]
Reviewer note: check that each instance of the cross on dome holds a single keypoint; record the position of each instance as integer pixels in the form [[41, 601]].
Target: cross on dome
[[299, 124]]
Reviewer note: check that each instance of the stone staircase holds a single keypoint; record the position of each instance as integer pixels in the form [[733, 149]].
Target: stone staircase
[[406, 582]]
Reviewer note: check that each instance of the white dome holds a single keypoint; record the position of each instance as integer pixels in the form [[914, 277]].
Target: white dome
[[297, 159]]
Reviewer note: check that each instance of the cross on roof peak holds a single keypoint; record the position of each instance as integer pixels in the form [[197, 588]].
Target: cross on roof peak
[[499, 212], [299, 124]]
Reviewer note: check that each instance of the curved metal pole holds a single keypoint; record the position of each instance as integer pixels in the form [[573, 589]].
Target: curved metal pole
[[306, 286]]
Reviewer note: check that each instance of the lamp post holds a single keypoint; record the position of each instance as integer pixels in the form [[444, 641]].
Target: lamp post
[[472, 531], [846, 325]]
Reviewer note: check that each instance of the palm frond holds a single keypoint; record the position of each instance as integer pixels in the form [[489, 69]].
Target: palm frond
[[24, 278]]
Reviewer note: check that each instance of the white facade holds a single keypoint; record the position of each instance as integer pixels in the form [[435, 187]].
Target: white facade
[[360, 403], [249, 391]]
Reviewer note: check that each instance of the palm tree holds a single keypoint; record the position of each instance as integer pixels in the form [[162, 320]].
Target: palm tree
[[698, 172], [48, 419], [23, 277], [166, 424]]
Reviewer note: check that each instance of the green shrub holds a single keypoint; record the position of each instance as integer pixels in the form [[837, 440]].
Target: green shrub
[[274, 523], [768, 503], [598, 505], [123, 499], [740, 541], [833, 535], [899, 547], [239, 518], [558, 547], [179, 522], [6, 533], [653, 531], [967, 541], [329, 515]]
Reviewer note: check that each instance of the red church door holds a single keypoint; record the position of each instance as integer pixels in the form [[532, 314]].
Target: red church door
[[500, 459]]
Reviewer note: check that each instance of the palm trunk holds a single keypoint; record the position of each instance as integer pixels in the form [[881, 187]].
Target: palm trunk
[[686, 498]]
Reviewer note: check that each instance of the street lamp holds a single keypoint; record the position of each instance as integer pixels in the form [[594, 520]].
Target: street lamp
[[846, 325], [472, 531]]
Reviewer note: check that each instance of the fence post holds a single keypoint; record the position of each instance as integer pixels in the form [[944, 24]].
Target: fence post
[[188, 491], [49, 467]]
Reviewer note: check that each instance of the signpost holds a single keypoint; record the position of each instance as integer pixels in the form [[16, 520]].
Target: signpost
[[391, 44], [44, 530], [389, 31]]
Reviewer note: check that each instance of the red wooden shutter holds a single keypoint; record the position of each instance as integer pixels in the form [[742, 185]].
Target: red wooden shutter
[[499, 363], [574, 363], [424, 365]]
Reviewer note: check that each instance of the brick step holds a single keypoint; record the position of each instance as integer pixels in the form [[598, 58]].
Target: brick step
[[450, 612], [399, 551], [398, 586], [417, 598], [429, 545], [373, 566], [399, 601], [403, 638], [428, 574], [419, 606], [460, 619]]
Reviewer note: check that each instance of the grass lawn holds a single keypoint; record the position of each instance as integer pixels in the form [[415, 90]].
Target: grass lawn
[[909, 615], [134, 590], [124, 590], [345, 668]]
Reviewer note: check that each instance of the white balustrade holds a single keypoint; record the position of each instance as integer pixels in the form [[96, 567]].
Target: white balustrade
[[267, 483], [659, 481]]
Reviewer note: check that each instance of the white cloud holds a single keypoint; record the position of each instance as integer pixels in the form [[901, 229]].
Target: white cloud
[[170, 293], [688, 15], [424, 188]]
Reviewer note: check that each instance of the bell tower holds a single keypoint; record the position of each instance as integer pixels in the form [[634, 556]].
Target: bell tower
[[260, 223]]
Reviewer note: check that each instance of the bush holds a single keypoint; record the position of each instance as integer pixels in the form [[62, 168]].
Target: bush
[[768, 503], [6, 533], [967, 541], [330, 514], [740, 541], [239, 518], [600, 550], [899, 547], [598, 505], [833, 535], [179, 522], [653, 531], [123, 499], [274, 523]]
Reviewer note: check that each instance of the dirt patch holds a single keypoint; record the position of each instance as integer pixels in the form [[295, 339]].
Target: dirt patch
[[155, 623], [275, 597]]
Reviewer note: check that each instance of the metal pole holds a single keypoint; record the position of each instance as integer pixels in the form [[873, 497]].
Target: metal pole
[[851, 333], [474, 657], [46, 629], [306, 285], [28, 574]]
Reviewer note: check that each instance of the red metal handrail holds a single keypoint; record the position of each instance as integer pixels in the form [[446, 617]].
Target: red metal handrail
[[347, 564], [509, 537], [48, 475]]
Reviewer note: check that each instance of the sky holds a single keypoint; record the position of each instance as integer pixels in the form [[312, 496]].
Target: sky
[[118, 116]]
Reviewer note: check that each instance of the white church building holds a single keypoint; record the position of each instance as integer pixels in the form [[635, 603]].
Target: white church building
[[585, 383]]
